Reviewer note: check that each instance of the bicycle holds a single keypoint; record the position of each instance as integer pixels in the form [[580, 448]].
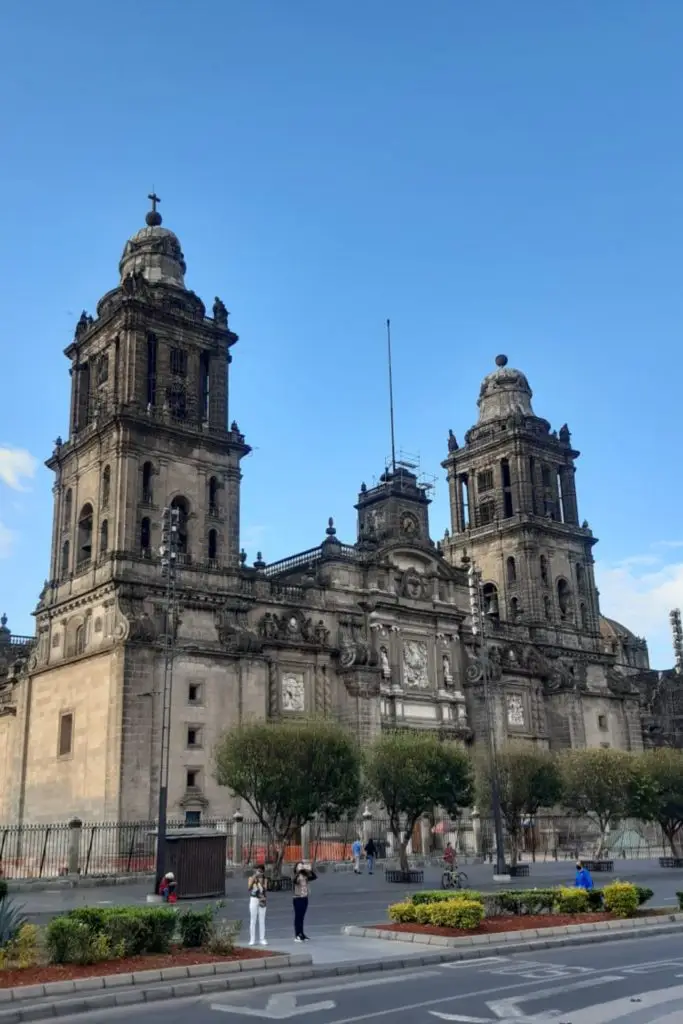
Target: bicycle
[[451, 879]]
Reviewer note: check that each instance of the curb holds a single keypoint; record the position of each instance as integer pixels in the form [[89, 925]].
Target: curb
[[31, 1002], [533, 937]]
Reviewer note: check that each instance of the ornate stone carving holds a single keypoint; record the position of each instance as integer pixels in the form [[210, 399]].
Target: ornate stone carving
[[415, 664], [412, 585], [220, 313], [293, 692], [293, 627], [621, 685], [516, 717], [234, 632], [384, 662], [447, 674]]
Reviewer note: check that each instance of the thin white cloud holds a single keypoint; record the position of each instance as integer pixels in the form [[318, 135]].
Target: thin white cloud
[[16, 465], [6, 541], [640, 593]]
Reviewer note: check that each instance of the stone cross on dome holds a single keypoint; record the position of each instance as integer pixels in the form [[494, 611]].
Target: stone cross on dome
[[153, 218]]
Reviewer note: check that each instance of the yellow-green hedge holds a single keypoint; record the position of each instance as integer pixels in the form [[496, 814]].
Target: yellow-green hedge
[[455, 913], [571, 901], [621, 899]]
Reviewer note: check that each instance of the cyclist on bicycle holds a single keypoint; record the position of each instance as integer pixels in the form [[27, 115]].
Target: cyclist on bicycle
[[449, 858]]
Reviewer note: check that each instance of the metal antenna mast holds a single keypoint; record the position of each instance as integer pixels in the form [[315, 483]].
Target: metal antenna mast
[[391, 399]]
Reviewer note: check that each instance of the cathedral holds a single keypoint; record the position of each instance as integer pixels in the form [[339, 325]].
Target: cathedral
[[378, 634]]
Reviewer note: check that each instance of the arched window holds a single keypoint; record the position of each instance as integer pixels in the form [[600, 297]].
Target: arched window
[[564, 598], [104, 537], [68, 509], [213, 545], [84, 553], [514, 609], [147, 474], [65, 559], [544, 570], [213, 496], [106, 486], [580, 579], [145, 537], [490, 595], [511, 570], [79, 643], [584, 616], [547, 607], [183, 506]]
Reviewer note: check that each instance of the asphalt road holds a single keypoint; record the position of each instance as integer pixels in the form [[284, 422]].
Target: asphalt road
[[630, 982], [341, 898]]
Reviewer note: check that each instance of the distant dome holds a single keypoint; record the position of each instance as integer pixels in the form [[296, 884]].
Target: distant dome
[[610, 629], [155, 253], [504, 393]]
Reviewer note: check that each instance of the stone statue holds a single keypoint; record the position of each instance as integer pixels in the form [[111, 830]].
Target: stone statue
[[447, 674], [384, 661], [220, 313], [565, 436], [452, 442], [83, 324]]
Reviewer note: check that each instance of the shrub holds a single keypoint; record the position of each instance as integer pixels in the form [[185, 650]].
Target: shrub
[[621, 899], [457, 914], [595, 900], [403, 913], [126, 931], [195, 927], [423, 912], [222, 937], [26, 945], [571, 901], [521, 901], [70, 941], [445, 896], [644, 894]]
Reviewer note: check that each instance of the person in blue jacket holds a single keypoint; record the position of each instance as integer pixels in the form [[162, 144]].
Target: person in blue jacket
[[583, 878]]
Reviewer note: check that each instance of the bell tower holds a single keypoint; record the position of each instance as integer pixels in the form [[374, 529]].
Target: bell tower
[[514, 513], [148, 427]]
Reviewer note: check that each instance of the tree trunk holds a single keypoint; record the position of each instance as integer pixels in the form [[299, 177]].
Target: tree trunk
[[279, 857], [602, 842], [403, 853]]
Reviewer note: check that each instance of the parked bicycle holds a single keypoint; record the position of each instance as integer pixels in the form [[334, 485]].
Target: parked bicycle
[[453, 879]]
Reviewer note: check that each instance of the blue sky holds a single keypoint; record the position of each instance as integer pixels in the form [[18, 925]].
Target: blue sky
[[495, 177]]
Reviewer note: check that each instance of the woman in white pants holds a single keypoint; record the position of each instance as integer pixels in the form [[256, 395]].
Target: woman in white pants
[[258, 886]]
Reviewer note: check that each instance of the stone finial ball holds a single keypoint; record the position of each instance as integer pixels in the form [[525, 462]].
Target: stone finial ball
[[153, 219], [501, 360]]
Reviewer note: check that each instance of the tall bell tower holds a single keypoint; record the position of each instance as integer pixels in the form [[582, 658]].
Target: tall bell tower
[[514, 512]]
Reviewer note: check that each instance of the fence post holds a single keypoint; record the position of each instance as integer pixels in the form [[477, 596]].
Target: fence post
[[238, 845], [476, 832], [75, 832]]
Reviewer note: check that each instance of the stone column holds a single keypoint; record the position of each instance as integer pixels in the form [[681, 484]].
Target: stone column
[[75, 832], [425, 835], [476, 831], [238, 840], [306, 841]]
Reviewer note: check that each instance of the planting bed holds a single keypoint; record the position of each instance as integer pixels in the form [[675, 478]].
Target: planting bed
[[491, 925], [43, 974]]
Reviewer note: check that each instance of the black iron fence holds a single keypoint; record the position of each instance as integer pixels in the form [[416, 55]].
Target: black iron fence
[[128, 848]]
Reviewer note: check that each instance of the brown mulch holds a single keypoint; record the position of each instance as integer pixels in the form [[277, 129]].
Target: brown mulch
[[492, 925], [147, 962]]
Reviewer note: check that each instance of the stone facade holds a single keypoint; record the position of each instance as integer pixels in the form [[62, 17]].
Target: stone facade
[[377, 634]]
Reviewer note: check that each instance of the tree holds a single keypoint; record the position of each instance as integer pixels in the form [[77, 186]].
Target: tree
[[600, 784], [528, 779], [408, 773], [290, 772], [660, 795]]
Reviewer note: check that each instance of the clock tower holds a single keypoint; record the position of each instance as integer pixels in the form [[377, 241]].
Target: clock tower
[[395, 510]]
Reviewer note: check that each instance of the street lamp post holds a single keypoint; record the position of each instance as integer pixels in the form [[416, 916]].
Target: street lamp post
[[169, 553], [482, 668]]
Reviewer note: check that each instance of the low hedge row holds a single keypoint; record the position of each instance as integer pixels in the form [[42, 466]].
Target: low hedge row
[[454, 913], [90, 935], [526, 901]]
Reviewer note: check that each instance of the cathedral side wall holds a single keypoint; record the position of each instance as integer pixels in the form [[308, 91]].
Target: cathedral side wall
[[83, 782], [10, 764]]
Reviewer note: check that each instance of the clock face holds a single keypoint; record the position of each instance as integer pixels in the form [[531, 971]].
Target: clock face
[[409, 524]]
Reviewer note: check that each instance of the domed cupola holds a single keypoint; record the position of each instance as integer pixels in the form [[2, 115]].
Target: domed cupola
[[154, 252], [503, 393]]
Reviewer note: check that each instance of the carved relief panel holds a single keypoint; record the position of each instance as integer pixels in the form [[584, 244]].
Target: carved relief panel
[[515, 711], [293, 692], [415, 664]]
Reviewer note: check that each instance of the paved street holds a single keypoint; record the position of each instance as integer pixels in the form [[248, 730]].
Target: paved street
[[633, 982], [341, 898]]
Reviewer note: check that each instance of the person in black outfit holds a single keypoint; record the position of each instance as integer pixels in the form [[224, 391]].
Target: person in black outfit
[[303, 876], [370, 854]]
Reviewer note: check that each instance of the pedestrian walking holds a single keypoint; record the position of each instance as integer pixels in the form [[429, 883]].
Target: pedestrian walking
[[583, 878], [370, 854], [258, 887], [356, 852], [303, 876]]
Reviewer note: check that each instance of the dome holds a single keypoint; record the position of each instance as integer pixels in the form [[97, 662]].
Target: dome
[[154, 252], [504, 393], [610, 629]]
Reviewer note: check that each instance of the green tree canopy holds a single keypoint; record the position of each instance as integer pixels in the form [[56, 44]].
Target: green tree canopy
[[411, 772], [528, 779], [659, 797], [290, 772], [601, 784]]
